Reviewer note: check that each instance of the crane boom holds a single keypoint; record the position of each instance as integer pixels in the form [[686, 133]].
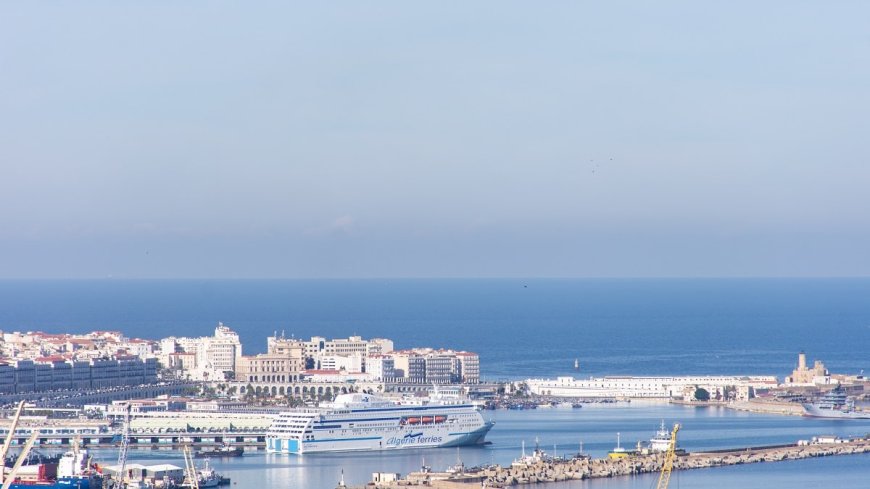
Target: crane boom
[[125, 445], [9, 436], [20, 460], [668, 465], [190, 468]]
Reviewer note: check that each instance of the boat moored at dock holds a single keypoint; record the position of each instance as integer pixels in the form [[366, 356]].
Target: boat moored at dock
[[369, 422], [835, 404]]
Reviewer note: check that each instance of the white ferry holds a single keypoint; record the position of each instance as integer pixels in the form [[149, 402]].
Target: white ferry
[[369, 422]]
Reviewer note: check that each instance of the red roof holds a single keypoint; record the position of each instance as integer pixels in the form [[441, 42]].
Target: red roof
[[51, 358]]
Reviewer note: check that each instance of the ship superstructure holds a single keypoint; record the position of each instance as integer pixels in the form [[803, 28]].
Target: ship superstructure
[[835, 404], [370, 422]]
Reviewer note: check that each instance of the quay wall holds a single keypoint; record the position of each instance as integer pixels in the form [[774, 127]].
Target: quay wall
[[768, 407], [579, 469]]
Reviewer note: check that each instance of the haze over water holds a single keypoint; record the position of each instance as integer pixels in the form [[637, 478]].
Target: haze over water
[[520, 328]]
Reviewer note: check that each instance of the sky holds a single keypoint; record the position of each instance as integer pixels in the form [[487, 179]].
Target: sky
[[434, 139]]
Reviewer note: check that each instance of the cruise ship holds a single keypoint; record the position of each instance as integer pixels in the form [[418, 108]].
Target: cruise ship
[[368, 422], [835, 404]]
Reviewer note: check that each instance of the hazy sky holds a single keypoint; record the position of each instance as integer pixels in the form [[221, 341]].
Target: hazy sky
[[382, 139]]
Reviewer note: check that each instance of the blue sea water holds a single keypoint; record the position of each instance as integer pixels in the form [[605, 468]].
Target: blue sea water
[[520, 328]]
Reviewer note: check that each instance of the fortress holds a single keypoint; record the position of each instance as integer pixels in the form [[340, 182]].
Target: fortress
[[808, 376]]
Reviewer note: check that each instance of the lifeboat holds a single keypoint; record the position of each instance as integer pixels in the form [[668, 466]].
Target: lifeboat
[[440, 419], [427, 419], [413, 420]]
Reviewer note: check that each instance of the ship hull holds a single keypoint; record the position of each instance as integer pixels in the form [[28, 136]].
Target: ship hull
[[816, 412], [62, 483], [434, 437]]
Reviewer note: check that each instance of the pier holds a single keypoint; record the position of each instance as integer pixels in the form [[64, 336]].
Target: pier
[[252, 440], [557, 470]]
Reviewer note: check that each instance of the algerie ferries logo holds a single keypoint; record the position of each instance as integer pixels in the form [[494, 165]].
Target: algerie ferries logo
[[413, 439]]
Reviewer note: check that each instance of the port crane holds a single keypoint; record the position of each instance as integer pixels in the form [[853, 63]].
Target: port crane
[[122, 452], [9, 436], [20, 460], [668, 465], [191, 478]]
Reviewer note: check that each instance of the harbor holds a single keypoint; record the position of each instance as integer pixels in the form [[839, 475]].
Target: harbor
[[705, 430]]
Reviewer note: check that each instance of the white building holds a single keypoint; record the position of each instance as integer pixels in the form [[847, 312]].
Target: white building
[[319, 345], [381, 367], [469, 367], [349, 363], [642, 387], [214, 357]]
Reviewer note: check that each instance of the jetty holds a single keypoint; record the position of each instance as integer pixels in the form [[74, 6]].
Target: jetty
[[558, 470]]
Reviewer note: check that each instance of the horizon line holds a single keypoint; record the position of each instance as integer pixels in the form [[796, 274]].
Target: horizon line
[[492, 277]]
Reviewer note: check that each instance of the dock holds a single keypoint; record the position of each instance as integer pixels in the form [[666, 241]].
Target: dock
[[250, 440]]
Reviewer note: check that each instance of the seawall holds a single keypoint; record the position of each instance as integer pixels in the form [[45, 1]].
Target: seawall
[[578, 469]]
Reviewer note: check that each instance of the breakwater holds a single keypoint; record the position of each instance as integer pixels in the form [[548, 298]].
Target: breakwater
[[556, 470]]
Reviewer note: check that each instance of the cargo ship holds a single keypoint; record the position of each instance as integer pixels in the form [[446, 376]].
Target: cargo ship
[[72, 471]]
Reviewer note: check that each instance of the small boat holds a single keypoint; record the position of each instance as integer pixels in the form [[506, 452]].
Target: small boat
[[224, 450]]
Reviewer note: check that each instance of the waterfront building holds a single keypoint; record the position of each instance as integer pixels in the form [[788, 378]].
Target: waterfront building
[[644, 387], [282, 372], [431, 366]]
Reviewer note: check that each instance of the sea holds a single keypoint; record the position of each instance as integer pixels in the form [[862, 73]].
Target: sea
[[521, 328]]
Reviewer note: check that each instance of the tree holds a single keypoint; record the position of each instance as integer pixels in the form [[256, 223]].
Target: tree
[[702, 394]]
